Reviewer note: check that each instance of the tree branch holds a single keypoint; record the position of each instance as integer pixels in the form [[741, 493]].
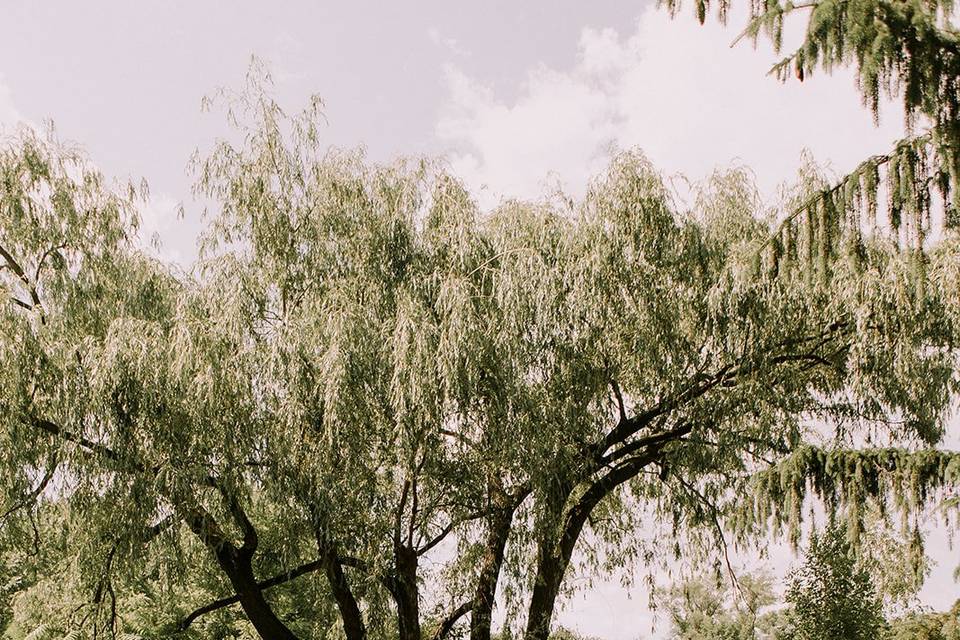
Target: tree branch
[[621, 408], [279, 579], [22, 276], [94, 447], [46, 254], [578, 514], [629, 427], [447, 529], [715, 518], [401, 507], [250, 538], [654, 439], [34, 493], [451, 620]]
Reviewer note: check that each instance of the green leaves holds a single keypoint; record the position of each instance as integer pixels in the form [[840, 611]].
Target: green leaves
[[833, 598], [363, 363]]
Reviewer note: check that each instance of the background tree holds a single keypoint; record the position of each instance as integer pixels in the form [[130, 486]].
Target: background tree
[[831, 596], [927, 625], [702, 609]]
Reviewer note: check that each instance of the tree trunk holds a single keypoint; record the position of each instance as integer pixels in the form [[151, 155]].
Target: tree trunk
[[406, 594], [485, 595], [550, 570], [550, 563], [239, 570], [555, 549], [237, 564], [350, 615]]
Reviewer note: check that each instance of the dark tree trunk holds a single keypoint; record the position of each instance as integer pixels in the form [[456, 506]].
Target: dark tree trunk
[[550, 570], [238, 568], [350, 614], [550, 565], [555, 549], [237, 564], [498, 531], [406, 595]]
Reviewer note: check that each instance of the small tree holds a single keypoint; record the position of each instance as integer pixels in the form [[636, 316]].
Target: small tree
[[833, 596], [701, 609], [930, 625]]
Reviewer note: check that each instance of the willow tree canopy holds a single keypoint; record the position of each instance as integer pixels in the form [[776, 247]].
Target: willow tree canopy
[[363, 369]]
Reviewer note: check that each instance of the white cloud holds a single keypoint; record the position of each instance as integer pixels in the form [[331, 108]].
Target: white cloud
[[451, 44], [10, 116], [673, 88]]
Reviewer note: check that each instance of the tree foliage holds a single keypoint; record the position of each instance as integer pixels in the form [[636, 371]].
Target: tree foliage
[[832, 597], [909, 49], [702, 609], [370, 409], [928, 625]]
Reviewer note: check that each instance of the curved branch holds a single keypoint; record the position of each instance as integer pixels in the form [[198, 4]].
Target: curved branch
[[34, 493], [46, 254], [282, 578], [451, 620]]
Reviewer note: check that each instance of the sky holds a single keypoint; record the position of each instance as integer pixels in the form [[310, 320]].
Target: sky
[[518, 98]]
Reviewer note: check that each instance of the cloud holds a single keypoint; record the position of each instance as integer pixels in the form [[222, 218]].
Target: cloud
[[451, 44], [673, 88], [10, 116]]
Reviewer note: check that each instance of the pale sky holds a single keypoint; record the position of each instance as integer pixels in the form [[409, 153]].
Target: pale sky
[[517, 97]]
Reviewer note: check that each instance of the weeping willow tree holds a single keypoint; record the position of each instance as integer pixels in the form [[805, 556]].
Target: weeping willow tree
[[370, 409]]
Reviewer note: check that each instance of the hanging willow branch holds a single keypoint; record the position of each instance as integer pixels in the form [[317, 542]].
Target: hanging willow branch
[[894, 480], [904, 48], [837, 221]]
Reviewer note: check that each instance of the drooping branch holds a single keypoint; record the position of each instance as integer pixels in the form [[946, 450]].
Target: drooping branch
[[448, 623], [847, 478], [279, 579], [17, 269], [164, 524], [34, 493], [43, 258], [714, 512]]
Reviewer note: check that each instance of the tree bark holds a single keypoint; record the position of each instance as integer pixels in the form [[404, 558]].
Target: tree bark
[[239, 569], [237, 564], [350, 615], [406, 594], [498, 531], [554, 551], [549, 574], [550, 570]]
